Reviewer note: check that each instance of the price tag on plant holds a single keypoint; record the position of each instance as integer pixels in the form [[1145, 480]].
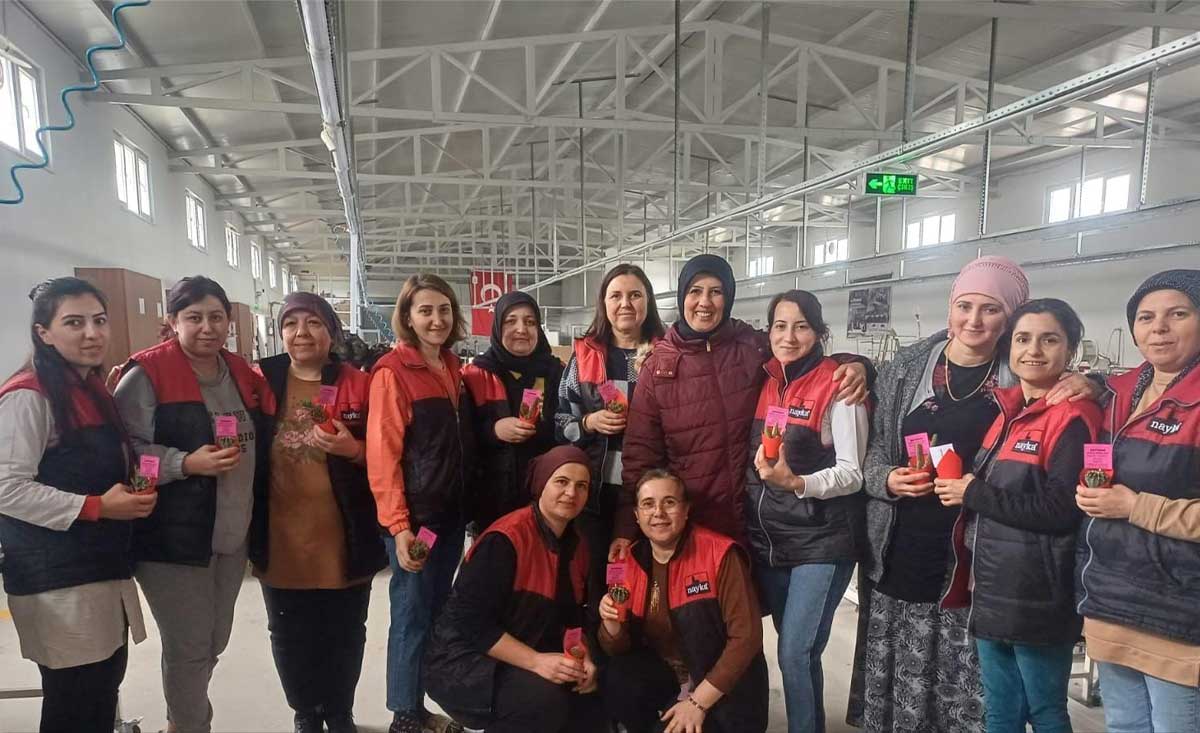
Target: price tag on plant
[[573, 644], [226, 431], [146, 476], [774, 424], [613, 396], [326, 402], [918, 452], [1097, 466], [419, 548], [531, 406], [615, 573]]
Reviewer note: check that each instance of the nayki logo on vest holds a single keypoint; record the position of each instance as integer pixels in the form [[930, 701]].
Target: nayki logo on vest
[[1030, 444], [803, 411], [697, 585], [1165, 426]]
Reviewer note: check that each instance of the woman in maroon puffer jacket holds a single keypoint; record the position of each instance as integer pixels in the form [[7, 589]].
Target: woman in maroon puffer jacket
[[694, 403]]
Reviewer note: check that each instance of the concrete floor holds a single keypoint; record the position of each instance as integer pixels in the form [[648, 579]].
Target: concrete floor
[[247, 697]]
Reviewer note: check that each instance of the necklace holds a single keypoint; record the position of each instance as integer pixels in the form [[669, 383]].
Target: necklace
[[987, 375], [654, 596]]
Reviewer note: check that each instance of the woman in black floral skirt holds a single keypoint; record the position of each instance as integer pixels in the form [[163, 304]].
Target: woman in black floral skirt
[[915, 667]]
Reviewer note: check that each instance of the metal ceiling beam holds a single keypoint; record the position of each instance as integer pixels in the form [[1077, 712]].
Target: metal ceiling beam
[[1057, 14]]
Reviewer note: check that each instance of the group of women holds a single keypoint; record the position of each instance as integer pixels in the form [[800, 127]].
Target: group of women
[[714, 472]]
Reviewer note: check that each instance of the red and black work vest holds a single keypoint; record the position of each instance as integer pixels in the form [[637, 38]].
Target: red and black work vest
[[458, 674], [1024, 580], [786, 530], [181, 527], [365, 553], [434, 440], [1128, 575], [88, 458], [693, 600]]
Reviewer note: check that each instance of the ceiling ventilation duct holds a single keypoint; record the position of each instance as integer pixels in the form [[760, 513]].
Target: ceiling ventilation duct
[[324, 37]]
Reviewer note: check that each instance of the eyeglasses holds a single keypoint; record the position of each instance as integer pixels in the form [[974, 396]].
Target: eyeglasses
[[669, 505]]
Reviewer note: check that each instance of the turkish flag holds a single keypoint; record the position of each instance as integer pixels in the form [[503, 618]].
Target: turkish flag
[[487, 285]]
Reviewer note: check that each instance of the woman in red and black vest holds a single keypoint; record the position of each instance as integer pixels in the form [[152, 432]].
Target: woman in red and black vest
[[502, 656], [200, 410], [606, 362], [1021, 503], [804, 511], [417, 446], [314, 540], [692, 645], [519, 358], [65, 511], [1139, 561]]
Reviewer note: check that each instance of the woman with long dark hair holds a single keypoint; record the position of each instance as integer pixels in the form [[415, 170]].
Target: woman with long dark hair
[[804, 505], [200, 410], [594, 397], [66, 511]]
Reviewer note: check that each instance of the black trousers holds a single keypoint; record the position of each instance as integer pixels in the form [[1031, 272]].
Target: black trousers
[[317, 639], [638, 688], [82, 699], [526, 703]]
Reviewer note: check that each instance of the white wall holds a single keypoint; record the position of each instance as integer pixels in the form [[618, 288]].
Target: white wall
[[1098, 291], [71, 216]]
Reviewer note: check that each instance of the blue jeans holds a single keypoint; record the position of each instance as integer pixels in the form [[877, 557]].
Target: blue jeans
[[416, 600], [1138, 703], [802, 601], [1023, 684]]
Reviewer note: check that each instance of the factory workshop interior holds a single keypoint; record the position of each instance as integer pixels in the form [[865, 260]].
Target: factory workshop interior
[[614, 366]]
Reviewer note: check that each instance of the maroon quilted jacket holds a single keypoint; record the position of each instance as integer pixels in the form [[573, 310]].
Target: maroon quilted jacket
[[693, 416]]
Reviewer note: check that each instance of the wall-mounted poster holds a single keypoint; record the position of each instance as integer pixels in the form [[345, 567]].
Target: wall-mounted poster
[[870, 311]]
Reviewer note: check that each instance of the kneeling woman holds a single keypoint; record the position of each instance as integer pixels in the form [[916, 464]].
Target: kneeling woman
[[496, 658], [693, 642], [1023, 504], [65, 512]]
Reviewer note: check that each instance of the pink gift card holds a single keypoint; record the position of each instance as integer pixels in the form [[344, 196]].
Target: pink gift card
[[226, 426], [911, 442], [148, 467], [327, 395], [777, 418], [531, 403], [615, 574], [428, 536], [1098, 455], [572, 640], [609, 391]]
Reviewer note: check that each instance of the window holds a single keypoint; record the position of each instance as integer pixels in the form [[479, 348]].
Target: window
[[930, 230], [284, 278], [20, 105], [232, 242], [271, 271], [255, 261], [133, 178], [835, 250], [197, 226], [295, 284], [1099, 195], [762, 266]]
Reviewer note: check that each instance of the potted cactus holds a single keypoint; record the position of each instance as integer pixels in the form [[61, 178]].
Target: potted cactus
[[531, 406], [620, 598], [920, 460], [1096, 478], [773, 426]]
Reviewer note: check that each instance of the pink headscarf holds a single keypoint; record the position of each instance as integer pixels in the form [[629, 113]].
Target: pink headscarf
[[996, 277]]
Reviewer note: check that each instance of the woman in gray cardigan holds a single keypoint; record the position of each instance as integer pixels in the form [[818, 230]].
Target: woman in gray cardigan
[[936, 392]]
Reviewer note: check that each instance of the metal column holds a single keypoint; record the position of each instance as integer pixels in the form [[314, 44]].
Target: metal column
[[986, 173], [910, 72], [1148, 128]]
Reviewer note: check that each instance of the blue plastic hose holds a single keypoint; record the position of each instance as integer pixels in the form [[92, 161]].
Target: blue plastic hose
[[41, 132]]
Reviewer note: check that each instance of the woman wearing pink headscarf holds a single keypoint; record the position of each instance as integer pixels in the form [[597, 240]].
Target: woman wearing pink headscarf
[[915, 667]]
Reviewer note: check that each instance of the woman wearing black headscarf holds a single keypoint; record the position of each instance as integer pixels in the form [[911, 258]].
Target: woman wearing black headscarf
[[695, 400], [518, 359]]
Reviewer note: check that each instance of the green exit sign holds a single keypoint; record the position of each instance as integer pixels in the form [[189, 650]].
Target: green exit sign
[[892, 184]]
